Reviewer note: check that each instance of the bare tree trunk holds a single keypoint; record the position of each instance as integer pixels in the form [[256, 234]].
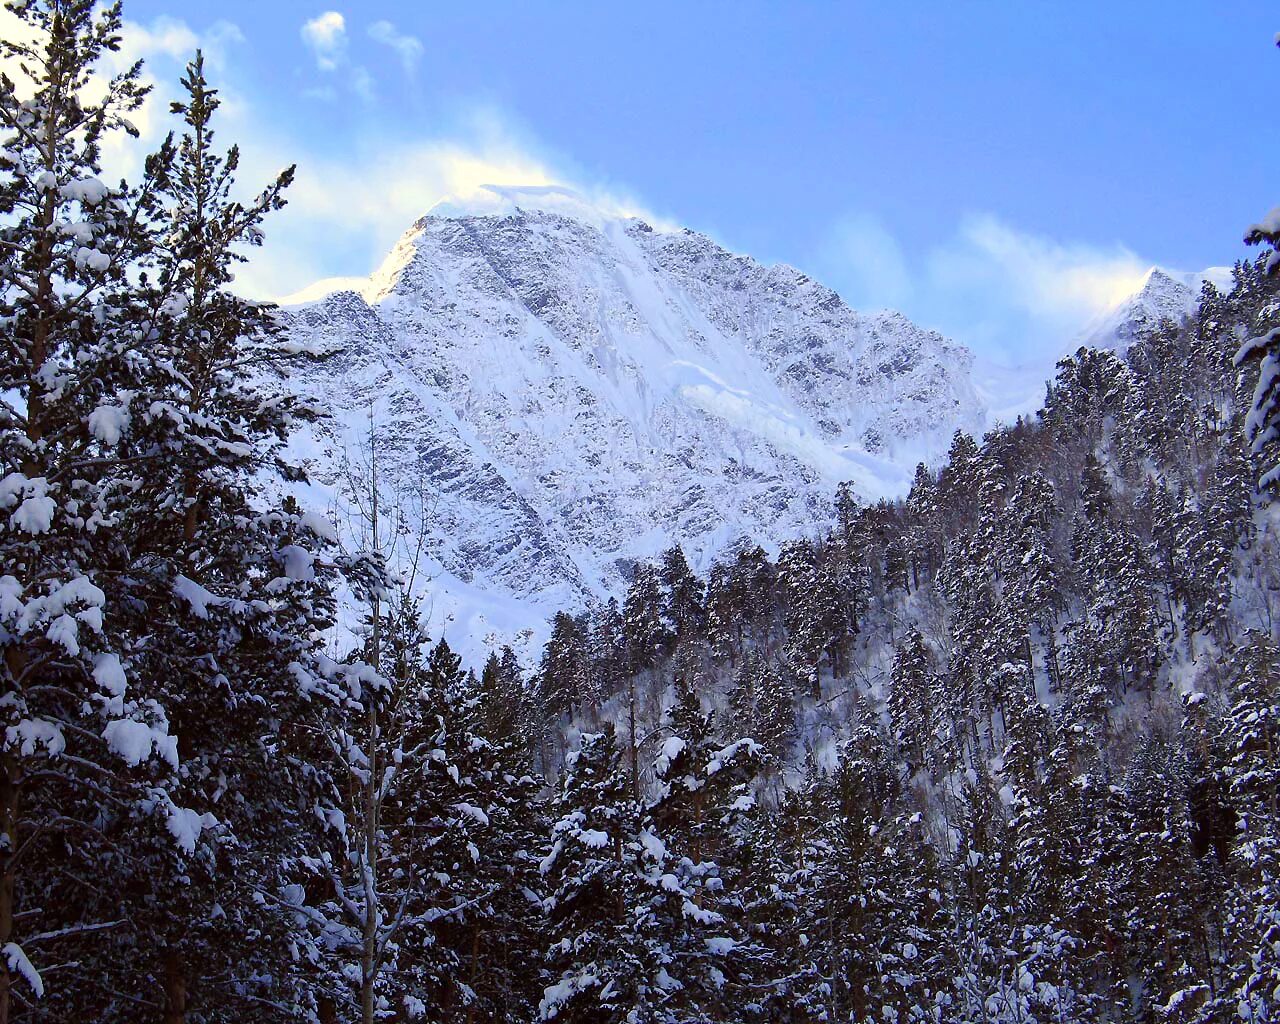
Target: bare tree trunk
[[471, 980], [175, 987], [10, 780], [635, 753], [369, 947]]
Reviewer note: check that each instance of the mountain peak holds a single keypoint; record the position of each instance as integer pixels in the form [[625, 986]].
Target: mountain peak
[[578, 391], [1164, 295]]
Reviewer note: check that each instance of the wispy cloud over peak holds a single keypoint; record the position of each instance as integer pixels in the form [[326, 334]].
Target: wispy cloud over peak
[[408, 48], [1010, 294], [326, 37]]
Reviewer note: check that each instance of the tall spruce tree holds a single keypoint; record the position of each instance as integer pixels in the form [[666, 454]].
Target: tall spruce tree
[[160, 617]]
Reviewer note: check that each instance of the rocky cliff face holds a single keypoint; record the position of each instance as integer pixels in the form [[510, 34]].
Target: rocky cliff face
[[575, 391]]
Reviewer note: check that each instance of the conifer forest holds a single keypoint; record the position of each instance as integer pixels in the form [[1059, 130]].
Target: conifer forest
[[1003, 749]]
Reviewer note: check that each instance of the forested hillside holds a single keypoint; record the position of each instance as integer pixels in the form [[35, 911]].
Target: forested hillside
[[1007, 750], [1017, 732]]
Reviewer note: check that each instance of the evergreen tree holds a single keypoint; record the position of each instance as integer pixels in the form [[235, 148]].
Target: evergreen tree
[[683, 593], [646, 634], [160, 617], [1252, 774], [502, 698], [565, 673], [623, 925], [924, 536], [812, 610], [703, 782], [1263, 348], [912, 701], [608, 649]]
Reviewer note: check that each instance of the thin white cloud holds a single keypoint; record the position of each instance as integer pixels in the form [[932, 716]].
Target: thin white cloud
[[165, 45], [1041, 274], [346, 212], [344, 215], [1009, 294], [326, 36], [164, 36], [874, 270], [326, 93], [408, 48], [362, 84]]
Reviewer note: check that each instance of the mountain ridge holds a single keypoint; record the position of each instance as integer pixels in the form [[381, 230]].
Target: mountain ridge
[[581, 392], [1165, 294]]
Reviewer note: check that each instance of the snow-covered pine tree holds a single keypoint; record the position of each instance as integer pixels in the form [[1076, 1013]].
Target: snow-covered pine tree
[[682, 593], [1119, 632], [231, 664], [612, 900], [564, 677], [812, 611], [462, 822], [68, 242], [646, 634], [703, 783], [762, 706], [1252, 774], [1032, 584], [608, 650], [924, 535], [1263, 346], [1164, 947], [1204, 549], [125, 609], [503, 698], [958, 483], [912, 703], [724, 626], [701, 809]]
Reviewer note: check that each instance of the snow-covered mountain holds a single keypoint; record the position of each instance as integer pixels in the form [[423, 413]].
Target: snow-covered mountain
[[1010, 390], [1164, 295], [577, 389]]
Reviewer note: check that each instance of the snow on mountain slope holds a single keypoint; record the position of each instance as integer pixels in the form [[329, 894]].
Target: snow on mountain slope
[[1009, 390], [1164, 295], [577, 389]]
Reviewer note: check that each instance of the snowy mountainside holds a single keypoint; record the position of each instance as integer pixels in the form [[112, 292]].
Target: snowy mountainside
[[577, 389], [1164, 295], [1013, 390]]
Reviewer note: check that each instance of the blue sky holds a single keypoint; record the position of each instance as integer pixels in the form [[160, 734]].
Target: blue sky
[[1001, 171]]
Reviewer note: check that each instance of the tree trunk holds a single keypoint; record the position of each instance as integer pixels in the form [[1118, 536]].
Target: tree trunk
[[471, 981], [635, 754], [175, 987], [9, 788], [369, 946]]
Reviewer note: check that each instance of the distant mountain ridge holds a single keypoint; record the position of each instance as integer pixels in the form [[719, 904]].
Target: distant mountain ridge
[[578, 389], [1165, 295]]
